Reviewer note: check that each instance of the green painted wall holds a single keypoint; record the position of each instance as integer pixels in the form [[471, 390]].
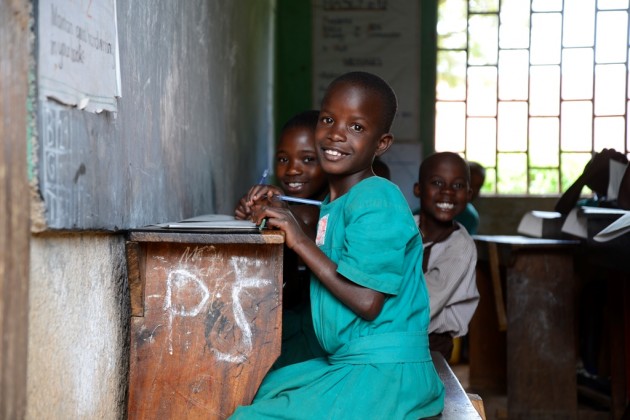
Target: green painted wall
[[293, 60]]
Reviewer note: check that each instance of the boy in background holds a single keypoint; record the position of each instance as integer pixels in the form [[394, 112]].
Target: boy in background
[[450, 255]]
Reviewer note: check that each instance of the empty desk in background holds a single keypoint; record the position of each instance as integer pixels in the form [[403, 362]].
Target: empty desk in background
[[524, 341], [206, 320]]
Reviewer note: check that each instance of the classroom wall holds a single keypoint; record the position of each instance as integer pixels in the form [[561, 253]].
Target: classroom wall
[[78, 350], [193, 128], [500, 215], [190, 136]]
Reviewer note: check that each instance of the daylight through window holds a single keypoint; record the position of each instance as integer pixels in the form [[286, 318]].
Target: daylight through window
[[530, 89]]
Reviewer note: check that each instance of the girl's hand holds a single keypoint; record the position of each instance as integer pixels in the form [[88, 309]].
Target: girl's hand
[[243, 211], [281, 218], [262, 194], [256, 195]]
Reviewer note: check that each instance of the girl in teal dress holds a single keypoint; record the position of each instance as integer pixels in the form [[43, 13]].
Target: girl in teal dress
[[369, 301]]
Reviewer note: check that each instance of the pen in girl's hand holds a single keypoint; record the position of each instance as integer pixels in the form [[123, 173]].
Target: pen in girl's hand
[[263, 178], [297, 200]]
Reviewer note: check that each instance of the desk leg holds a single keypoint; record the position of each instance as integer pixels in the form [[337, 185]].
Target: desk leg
[[541, 358]]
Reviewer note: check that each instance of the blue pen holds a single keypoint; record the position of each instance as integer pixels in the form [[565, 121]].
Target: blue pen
[[298, 200], [263, 178]]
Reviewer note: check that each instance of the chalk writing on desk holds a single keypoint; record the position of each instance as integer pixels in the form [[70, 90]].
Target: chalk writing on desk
[[208, 292]]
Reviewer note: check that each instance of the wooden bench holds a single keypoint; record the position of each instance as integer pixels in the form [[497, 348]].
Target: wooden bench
[[457, 404]]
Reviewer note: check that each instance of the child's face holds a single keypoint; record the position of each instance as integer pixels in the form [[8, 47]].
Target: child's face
[[445, 191], [297, 165], [349, 132]]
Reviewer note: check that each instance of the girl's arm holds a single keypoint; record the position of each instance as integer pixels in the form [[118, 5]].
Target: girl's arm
[[567, 201], [364, 302]]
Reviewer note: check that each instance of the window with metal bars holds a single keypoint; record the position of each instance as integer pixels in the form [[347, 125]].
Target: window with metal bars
[[531, 89]]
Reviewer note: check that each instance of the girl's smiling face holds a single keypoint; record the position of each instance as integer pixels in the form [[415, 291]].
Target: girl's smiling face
[[297, 164], [349, 132]]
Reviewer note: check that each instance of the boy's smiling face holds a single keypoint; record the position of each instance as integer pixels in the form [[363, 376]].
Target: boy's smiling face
[[444, 189], [350, 131], [297, 164]]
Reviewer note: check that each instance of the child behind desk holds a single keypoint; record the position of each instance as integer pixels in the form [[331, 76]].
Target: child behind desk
[[369, 301], [450, 255], [597, 176], [300, 175]]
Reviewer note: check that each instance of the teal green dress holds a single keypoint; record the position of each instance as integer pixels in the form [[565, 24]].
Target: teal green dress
[[374, 369]]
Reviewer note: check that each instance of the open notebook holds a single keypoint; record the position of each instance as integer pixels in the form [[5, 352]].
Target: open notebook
[[210, 221], [617, 228]]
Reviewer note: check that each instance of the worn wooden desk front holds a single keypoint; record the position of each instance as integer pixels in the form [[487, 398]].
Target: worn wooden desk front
[[531, 352], [206, 320]]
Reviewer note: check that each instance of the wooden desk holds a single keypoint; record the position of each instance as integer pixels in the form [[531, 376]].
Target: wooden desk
[[534, 358], [206, 320]]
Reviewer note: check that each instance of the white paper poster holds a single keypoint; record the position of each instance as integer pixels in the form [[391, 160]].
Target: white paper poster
[[78, 53], [378, 36]]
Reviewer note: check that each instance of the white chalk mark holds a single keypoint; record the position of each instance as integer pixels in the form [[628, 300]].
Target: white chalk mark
[[241, 283], [177, 280], [151, 336], [181, 278]]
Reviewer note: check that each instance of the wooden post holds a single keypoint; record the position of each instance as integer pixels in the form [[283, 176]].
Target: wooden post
[[15, 214]]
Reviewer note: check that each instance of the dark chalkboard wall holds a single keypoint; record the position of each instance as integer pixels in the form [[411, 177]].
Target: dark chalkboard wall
[[193, 127]]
